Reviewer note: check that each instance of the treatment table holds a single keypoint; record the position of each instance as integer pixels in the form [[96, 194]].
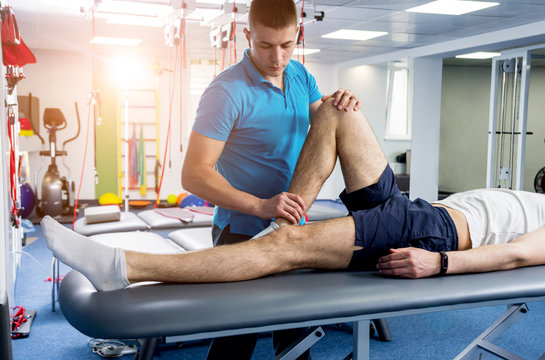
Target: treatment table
[[145, 220], [295, 299]]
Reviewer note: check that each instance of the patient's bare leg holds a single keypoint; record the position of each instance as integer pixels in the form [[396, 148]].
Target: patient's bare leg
[[332, 133], [326, 245]]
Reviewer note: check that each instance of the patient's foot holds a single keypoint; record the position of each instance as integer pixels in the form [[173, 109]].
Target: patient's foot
[[104, 266], [273, 226]]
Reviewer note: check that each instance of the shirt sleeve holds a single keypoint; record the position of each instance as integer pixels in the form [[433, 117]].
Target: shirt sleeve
[[216, 113], [313, 92]]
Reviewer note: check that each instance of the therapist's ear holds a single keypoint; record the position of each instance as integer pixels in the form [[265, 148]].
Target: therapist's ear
[[247, 34]]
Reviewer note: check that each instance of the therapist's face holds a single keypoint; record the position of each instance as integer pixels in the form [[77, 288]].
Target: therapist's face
[[271, 48]]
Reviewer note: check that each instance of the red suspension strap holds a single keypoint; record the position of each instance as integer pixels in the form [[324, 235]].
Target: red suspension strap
[[222, 65], [17, 320], [182, 35], [98, 119], [303, 29], [12, 168], [215, 61], [91, 106], [233, 36], [183, 65], [170, 101]]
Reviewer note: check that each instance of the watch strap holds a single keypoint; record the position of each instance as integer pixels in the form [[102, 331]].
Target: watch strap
[[443, 263]]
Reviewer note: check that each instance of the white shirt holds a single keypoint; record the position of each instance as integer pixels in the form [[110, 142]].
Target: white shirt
[[497, 216]]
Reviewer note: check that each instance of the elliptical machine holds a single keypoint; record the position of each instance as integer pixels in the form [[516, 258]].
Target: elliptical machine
[[57, 192]]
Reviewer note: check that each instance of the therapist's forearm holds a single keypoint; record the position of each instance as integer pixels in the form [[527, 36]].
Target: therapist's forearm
[[210, 185]]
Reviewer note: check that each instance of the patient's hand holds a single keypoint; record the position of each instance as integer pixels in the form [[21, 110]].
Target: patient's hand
[[410, 263]]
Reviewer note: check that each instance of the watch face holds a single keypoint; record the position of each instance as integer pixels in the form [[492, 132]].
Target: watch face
[[444, 263]]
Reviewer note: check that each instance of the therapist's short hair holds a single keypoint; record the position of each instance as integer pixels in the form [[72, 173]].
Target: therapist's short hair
[[276, 14]]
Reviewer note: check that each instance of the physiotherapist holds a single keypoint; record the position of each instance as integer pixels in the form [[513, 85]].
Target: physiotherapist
[[249, 129]]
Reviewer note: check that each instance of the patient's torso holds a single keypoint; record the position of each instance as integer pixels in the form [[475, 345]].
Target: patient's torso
[[497, 216]]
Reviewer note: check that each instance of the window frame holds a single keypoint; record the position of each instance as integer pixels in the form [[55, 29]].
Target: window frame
[[393, 67]]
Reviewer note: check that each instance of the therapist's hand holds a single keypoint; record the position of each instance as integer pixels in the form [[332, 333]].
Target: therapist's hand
[[284, 205], [344, 99], [410, 263]]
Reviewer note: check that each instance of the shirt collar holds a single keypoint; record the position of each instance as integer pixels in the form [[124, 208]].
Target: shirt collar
[[255, 75]]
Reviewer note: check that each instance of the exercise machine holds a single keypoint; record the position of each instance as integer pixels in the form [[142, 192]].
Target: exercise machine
[[57, 191], [508, 118]]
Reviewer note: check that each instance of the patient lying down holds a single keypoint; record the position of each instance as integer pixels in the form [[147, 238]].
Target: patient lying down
[[476, 231]]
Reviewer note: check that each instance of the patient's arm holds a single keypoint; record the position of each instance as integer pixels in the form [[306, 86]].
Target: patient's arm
[[526, 250]]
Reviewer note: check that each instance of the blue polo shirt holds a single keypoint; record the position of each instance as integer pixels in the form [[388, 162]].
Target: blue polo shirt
[[263, 129]]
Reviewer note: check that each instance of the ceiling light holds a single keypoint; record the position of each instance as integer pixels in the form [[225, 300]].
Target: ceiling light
[[305, 51], [134, 20], [346, 34], [216, 2], [452, 7], [104, 40], [204, 15], [132, 8], [64, 4], [220, 2], [478, 55]]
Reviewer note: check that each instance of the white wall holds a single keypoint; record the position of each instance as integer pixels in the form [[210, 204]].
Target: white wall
[[464, 127]]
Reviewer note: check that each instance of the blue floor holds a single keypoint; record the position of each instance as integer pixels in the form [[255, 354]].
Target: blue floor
[[439, 335]]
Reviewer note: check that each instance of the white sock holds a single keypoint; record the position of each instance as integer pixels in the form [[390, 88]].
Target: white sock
[[269, 229], [104, 266]]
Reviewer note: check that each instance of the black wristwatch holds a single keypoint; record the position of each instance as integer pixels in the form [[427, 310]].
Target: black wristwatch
[[444, 263]]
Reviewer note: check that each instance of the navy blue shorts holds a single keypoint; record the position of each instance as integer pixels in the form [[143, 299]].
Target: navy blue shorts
[[386, 219]]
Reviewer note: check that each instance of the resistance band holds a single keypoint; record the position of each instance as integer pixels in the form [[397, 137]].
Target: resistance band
[[84, 155], [170, 101]]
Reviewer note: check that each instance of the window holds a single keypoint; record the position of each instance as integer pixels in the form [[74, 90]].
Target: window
[[398, 114]]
